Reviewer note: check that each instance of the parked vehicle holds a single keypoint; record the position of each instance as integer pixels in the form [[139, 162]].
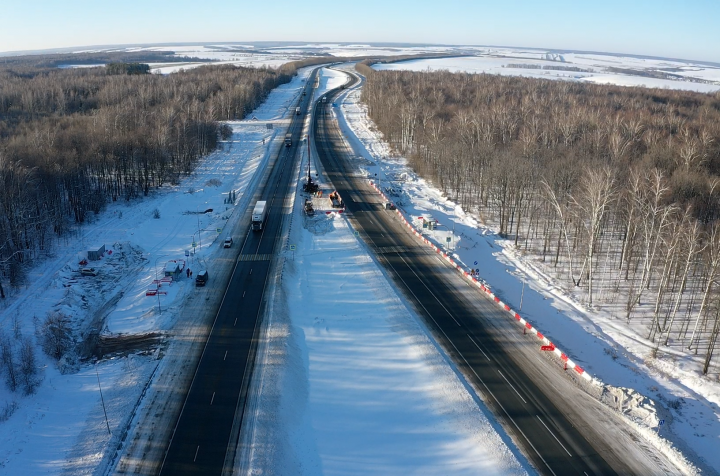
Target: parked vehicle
[[228, 242], [336, 200], [297, 111], [201, 278], [324, 99], [88, 272], [309, 210], [258, 215], [288, 140]]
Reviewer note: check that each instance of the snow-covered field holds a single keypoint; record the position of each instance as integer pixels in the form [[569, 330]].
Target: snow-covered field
[[670, 389], [697, 77], [688, 75], [596, 66], [238, 55]]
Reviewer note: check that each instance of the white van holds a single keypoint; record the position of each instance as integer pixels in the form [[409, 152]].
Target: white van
[[228, 242]]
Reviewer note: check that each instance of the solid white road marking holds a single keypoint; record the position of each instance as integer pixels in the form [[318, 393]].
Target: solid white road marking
[[234, 323], [511, 386], [553, 435], [225, 355], [212, 399], [476, 345], [196, 453]]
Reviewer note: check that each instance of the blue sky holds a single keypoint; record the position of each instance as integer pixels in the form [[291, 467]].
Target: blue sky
[[687, 29]]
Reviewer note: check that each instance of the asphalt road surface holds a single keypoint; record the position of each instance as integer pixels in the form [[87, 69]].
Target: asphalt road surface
[[206, 433], [553, 443]]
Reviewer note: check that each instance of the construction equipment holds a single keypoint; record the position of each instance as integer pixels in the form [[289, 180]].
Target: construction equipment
[[310, 186], [309, 210], [336, 200]]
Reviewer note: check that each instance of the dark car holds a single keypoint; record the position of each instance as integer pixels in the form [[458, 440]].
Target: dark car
[[201, 278]]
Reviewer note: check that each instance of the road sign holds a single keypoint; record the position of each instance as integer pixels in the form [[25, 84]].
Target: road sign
[[187, 252], [357, 233], [218, 230], [194, 244], [292, 247], [269, 126], [448, 239], [475, 263], [661, 422]]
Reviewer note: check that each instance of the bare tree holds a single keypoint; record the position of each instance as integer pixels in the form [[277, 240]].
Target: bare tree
[[28, 366], [8, 363], [592, 202], [56, 335]]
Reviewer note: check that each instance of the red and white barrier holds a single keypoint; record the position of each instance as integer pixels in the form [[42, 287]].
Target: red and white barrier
[[546, 344]]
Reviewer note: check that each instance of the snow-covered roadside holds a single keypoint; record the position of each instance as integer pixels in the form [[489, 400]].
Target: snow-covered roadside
[[686, 402], [348, 381], [61, 429]]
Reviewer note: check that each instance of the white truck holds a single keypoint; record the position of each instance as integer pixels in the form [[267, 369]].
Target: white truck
[[258, 215]]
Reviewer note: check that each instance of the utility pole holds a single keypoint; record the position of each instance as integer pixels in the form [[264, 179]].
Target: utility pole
[[102, 400], [158, 282], [197, 212], [308, 148]]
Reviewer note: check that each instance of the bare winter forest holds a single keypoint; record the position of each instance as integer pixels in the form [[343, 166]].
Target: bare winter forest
[[71, 140], [615, 189]]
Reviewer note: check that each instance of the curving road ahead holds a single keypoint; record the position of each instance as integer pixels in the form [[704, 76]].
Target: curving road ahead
[[535, 416]]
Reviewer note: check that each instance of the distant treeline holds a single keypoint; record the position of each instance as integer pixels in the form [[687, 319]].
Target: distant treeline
[[616, 188], [54, 60], [71, 140], [127, 68], [547, 67]]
